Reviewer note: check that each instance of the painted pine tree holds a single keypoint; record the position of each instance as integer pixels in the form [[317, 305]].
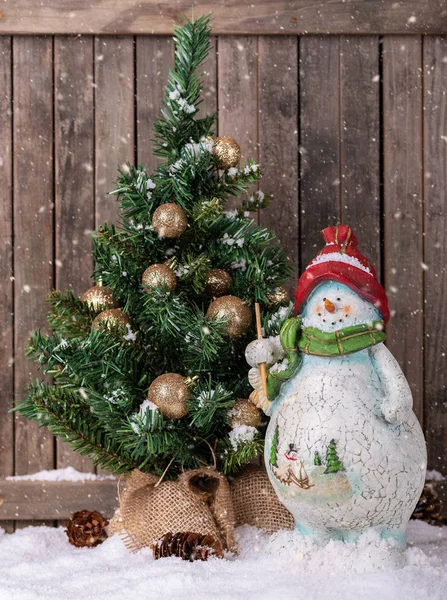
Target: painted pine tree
[[317, 459], [333, 461], [273, 449]]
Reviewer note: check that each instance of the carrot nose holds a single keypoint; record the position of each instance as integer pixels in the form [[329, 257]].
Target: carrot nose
[[329, 306]]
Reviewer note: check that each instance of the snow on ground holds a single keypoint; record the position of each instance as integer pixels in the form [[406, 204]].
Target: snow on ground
[[67, 474], [39, 564]]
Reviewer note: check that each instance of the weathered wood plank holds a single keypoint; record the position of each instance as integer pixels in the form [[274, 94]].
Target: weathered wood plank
[[238, 95], [74, 179], [6, 269], [114, 119], [155, 54], [265, 17], [360, 141], [435, 289], [27, 500], [278, 140], [319, 140], [403, 212], [33, 226]]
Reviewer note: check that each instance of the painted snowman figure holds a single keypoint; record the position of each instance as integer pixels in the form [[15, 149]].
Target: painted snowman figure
[[344, 450]]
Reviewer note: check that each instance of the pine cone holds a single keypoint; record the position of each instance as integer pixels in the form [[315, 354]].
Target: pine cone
[[86, 529], [188, 546], [429, 507]]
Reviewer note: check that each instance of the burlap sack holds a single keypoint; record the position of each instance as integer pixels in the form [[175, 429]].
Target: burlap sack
[[214, 490], [199, 501], [255, 502]]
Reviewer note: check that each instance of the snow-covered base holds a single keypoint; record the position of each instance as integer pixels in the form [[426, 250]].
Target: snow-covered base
[[67, 474], [39, 564]]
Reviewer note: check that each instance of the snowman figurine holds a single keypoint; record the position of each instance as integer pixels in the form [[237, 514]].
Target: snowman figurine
[[343, 450]]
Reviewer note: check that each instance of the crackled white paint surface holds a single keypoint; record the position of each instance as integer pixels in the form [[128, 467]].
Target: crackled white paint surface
[[364, 403]]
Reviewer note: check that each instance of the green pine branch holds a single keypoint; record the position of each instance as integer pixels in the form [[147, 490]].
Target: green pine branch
[[209, 406], [69, 315], [177, 125], [235, 459], [63, 412]]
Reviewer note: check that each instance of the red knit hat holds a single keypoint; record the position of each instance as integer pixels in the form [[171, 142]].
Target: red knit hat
[[340, 261]]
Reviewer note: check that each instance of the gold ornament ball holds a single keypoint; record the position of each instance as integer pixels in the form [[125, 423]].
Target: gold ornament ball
[[227, 152], [99, 296], [218, 283], [114, 317], [237, 314], [169, 220], [244, 413], [170, 392], [159, 276], [278, 296]]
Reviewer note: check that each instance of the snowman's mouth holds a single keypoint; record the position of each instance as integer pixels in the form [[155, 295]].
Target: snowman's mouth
[[333, 322]]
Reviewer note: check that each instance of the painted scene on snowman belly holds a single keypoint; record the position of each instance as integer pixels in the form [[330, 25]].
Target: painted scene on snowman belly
[[323, 479]]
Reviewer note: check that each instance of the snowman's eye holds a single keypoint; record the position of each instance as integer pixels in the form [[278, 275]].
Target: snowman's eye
[[338, 299], [324, 299]]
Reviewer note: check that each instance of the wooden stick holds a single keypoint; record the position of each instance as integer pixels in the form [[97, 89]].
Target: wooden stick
[[262, 366]]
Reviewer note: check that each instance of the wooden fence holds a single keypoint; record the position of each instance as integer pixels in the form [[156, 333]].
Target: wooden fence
[[348, 127]]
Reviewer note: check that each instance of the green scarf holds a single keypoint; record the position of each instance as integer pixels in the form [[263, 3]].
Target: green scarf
[[296, 340], [344, 341]]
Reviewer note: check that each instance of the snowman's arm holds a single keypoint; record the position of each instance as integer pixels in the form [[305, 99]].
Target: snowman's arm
[[398, 401], [267, 351], [257, 397], [270, 351]]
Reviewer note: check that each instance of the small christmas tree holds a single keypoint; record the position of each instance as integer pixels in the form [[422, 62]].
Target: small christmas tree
[[317, 459], [274, 448], [148, 363], [333, 463]]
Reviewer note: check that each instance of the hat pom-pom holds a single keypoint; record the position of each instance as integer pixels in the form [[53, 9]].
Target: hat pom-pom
[[340, 235]]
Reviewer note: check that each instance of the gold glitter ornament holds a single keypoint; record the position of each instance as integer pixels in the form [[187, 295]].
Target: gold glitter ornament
[[170, 392], [237, 314], [217, 283], [169, 220], [244, 413], [159, 276], [278, 296], [114, 317], [226, 151], [99, 296]]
